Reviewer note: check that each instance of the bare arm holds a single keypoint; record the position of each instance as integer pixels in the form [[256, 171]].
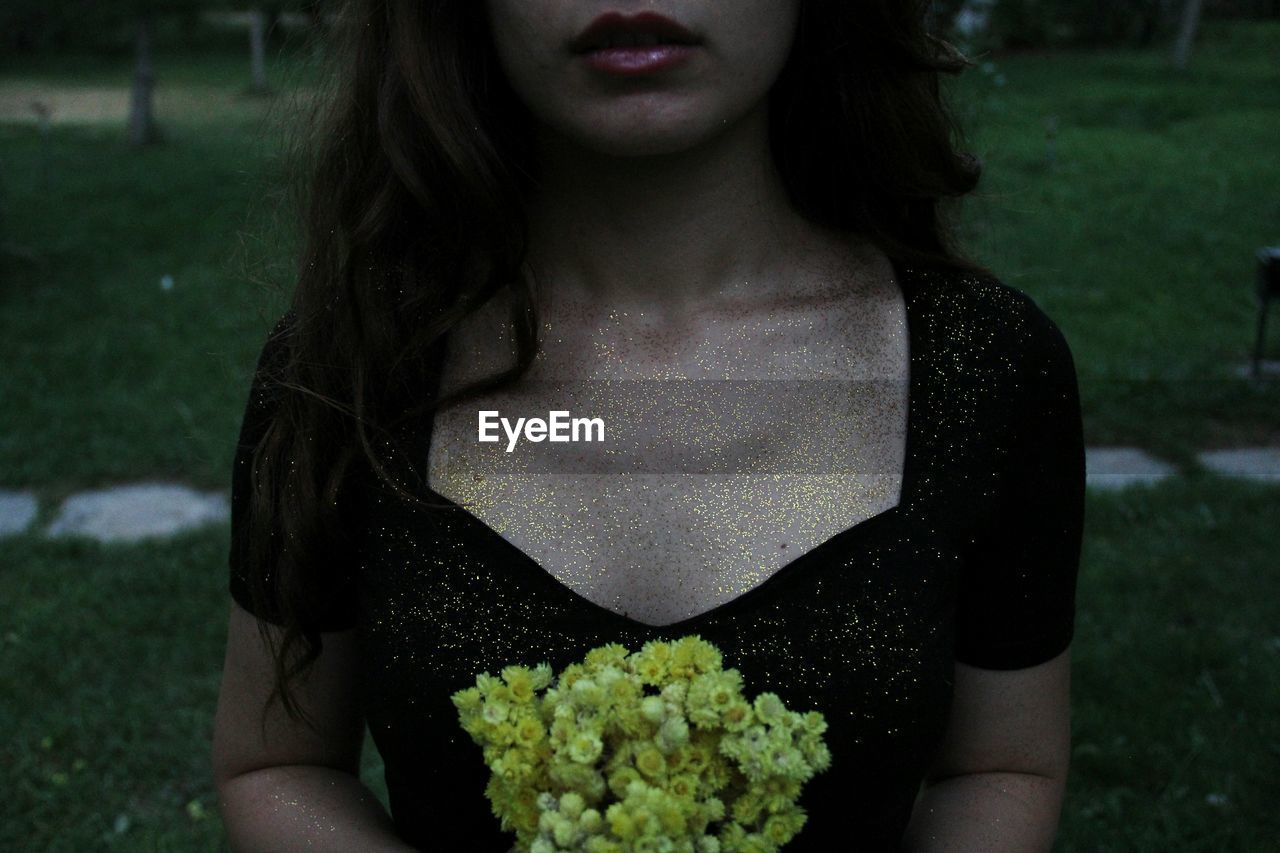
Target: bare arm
[[295, 788], [998, 781]]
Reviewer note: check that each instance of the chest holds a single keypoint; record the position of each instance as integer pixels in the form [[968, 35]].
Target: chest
[[716, 455]]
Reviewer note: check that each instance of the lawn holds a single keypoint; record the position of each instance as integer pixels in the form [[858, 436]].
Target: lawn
[[1137, 237]]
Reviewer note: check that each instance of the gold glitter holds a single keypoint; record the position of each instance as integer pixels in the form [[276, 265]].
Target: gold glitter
[[700, 487], [975, 562]]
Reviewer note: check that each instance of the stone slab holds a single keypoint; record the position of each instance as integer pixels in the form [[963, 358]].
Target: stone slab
[[1267, 369], [1252, 463], [17, 511], [1120, 467], [138, 511]]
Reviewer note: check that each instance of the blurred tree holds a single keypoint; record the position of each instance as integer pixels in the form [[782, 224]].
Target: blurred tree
[[265, 29], [142, 15], [1186, 33], [1099, 23], [258, 29]]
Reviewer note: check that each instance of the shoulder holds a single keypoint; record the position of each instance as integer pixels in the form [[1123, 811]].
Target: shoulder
[[272, 363], [989, 325], [275, 350]]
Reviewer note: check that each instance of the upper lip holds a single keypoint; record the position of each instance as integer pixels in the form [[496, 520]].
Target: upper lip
[[611, 25]]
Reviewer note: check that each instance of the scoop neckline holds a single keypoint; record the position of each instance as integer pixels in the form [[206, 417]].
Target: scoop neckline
[[904, 278]]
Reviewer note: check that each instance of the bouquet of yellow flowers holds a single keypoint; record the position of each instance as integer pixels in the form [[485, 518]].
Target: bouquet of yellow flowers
[[642, 751]]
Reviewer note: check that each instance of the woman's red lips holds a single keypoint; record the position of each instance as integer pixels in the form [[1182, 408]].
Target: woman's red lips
[[646, 30]]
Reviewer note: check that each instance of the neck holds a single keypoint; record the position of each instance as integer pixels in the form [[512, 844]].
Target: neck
[[662, 229]]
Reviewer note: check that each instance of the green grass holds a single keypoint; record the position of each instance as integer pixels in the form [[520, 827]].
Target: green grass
[[1139, 237], [108, 376], [1177, 671], [110, 659], [1138, 240]]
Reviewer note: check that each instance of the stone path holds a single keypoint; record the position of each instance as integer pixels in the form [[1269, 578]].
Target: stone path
[[130, 513], [1255, 463], [17, 511], [1117, 467], [121, 514]]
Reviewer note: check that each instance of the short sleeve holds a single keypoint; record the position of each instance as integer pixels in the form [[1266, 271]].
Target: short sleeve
[[1016, 606], [264, 398]]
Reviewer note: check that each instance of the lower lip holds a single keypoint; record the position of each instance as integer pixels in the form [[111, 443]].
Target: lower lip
[[635, 61]]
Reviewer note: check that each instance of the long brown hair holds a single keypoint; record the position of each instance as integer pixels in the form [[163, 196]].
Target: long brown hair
[[411, 177]]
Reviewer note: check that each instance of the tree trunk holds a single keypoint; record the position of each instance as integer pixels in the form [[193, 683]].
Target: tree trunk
[[258, 49], [142, 129], [1186, 33]]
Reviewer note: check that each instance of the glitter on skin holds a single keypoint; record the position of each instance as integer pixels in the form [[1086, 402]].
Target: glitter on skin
[[664, 546]]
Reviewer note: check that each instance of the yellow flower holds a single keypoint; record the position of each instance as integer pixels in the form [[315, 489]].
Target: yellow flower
[[512, 766], [572, 804], [529, 731], [565, 833], [486, 683], [643, 819], [520, 682], [732, 836], [769, 708], [610, 654], [590, 820], [674, 732], [747, 807], [814, 723], [672, 820], [678, 759], [684, 785], [621, 824], [494, 711], [650, 663], [706, 657], [737, 716], [630, 723], [585, 747], [562, 730], [650, 671], [653, 709], [727, 689], [571, 674], [595, 736], [650, 762], [587, 693], [697, 758], [542, 675], [623, 691], [621, 778], [821, 758], [660, 650], [718, 773], [468, 701], [504, 733], [527, 819], [684, 658], [774, 803]]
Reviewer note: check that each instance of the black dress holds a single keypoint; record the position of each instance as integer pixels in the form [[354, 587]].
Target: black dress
[[977, 564]]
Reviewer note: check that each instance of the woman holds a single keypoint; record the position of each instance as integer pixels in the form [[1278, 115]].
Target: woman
[[832, 447]]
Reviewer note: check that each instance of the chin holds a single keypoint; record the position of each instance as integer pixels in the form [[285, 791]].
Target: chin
[[648, 137], [640, 145]]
